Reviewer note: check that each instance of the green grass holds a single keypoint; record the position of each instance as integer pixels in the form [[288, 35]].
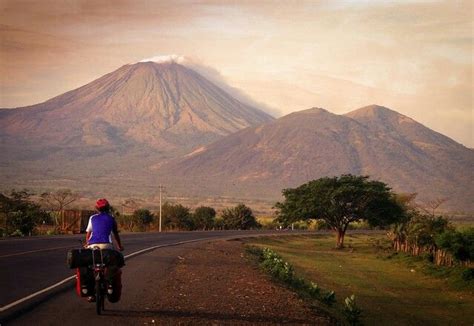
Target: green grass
[[390, 289]]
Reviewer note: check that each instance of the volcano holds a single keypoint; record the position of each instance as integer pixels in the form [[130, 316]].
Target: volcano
[[166, 105], [115, 124]]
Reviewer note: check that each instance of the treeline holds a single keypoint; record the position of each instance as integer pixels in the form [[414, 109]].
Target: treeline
[[179, 217], [20, 215], [419, 233]]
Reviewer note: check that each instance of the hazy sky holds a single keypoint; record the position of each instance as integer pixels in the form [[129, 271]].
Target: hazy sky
[[413, 56]]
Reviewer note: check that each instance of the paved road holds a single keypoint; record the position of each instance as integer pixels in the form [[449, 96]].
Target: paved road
[[29, 265], [142, 279]]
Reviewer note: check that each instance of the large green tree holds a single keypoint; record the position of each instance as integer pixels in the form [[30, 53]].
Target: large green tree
[[338, 201]]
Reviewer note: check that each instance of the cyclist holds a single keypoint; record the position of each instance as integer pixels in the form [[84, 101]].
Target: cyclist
[[99, 230], [101, 226]]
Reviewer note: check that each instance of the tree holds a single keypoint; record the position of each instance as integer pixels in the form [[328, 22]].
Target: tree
[[59, 200], [204, 217], [398, 233], [239, 217], [143, 217], [422, 230], [339, 201], [129, 205], [458, 243], [431, 206], [176, 217], [20, 215]]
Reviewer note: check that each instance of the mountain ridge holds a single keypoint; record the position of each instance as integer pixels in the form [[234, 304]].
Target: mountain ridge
[[314, 143]]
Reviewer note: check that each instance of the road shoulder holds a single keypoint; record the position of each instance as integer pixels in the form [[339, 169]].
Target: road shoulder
[[214, 283]]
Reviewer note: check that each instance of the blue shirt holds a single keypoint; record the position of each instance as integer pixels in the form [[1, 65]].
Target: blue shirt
[[101, 226]]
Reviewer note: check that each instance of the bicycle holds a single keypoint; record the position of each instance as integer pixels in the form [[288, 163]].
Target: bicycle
[[100, 283], [98, 274]]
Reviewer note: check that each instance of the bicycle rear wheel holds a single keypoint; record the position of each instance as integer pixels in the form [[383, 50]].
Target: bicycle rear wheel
[[98, 298]]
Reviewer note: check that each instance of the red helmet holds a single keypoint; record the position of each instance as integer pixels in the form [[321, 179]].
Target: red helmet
[[102, 203]]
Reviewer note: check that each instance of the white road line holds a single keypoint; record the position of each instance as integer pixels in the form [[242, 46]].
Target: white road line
[[31, 296], [32, 251]]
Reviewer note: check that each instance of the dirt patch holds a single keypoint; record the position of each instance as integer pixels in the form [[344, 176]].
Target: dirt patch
[[214, 284]]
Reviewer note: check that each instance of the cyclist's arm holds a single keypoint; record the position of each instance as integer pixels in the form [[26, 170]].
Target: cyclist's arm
[[117, 236], [88, 231]]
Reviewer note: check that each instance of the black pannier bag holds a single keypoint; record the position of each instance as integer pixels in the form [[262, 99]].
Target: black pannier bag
[[83, 257]]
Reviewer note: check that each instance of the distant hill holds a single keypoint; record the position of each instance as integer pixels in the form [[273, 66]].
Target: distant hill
[[374, 141], [117, 125]]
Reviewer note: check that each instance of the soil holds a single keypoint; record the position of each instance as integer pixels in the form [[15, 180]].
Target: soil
[[215, 283]]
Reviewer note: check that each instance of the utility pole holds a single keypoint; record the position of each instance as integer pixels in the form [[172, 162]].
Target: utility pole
[[161, 189]]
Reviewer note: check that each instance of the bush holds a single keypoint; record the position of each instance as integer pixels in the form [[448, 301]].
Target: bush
[[329, 298], [274, 264], [143, 217], [239, 217], [351, 311], [283, 271], [468, 274], [19, 214], [314, 290], [177, 217], [459, 243], [204, 218]]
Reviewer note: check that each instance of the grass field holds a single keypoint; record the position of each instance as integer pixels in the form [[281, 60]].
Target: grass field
[[390, 291]]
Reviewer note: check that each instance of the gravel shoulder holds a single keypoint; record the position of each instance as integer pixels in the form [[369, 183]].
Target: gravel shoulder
[[214, 284]]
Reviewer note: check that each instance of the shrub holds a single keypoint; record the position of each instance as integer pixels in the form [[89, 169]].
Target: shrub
[[19, 214], [239, 217], [204, 217], [351, 311], [283, 271], [143, 216], [276, 266], [459, 243], [329, 298], [314, 290], [177, 217], [468, 274]]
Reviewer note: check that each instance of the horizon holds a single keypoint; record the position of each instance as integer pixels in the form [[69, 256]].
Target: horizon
[[413, 57]]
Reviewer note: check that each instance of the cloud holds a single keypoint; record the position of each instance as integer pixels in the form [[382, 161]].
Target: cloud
[[214, 76], [218, 79], [165, 58]]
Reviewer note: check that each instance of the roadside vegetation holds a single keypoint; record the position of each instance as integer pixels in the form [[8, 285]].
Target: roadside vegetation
[[20, 215], [418, 271], [390, 288], [283, 271], [23, 213], [176, 217]]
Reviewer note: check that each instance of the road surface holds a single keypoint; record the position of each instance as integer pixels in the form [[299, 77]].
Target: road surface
[[29, 265]]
